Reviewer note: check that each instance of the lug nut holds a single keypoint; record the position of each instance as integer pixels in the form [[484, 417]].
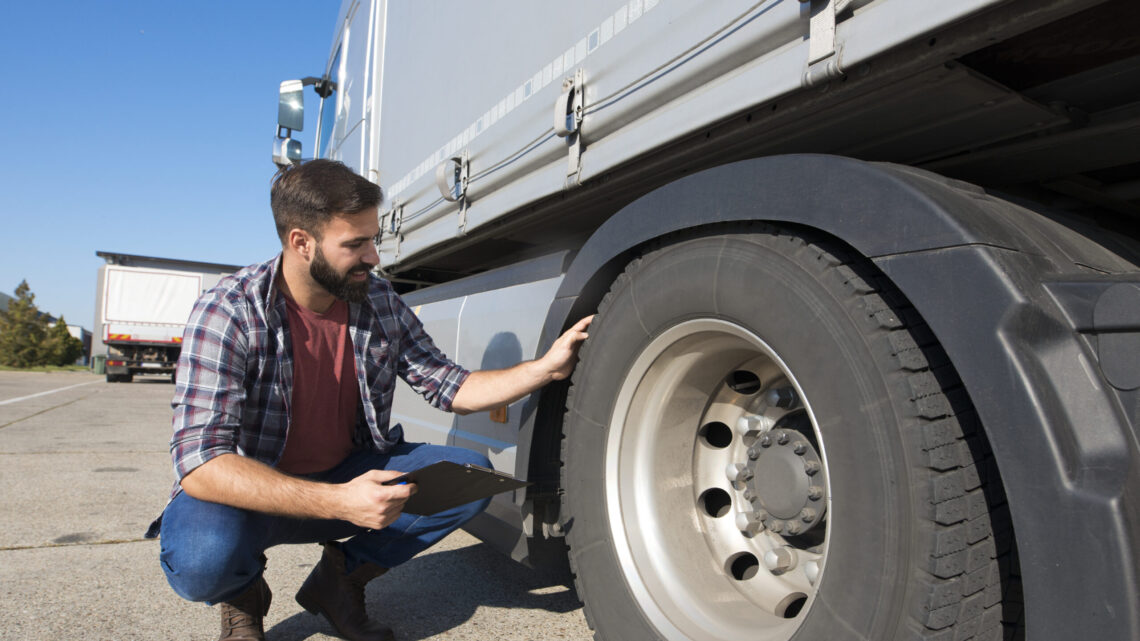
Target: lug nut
[[748, 523], [815, 492], [782, 438], [737, 472], [793, 528], [799, 447], [784, 397], [808, 515], [753, 453], [776, 525], [811, 570], [780, 560], [811, 467], [766, 440], [763, 515], [749, 494], [749, 424]]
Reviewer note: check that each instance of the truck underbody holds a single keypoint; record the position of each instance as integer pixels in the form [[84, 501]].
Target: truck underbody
[[126, 360]]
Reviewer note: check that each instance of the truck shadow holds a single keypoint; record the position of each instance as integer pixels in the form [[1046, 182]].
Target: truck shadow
[[434, 593]]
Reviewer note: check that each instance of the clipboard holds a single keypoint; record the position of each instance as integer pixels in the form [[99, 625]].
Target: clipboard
[[444, 485]]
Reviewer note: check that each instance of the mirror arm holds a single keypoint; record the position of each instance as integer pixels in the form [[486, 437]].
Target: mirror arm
[[322, 86]]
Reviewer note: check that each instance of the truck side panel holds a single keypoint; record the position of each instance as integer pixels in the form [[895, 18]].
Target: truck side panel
[[653, 72], [491, 329]]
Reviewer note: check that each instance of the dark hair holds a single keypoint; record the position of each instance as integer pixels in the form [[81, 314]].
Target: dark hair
[[308, 195]]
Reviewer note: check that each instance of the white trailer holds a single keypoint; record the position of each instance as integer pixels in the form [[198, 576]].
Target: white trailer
[[144, 315], [142, 307], [867, 355]]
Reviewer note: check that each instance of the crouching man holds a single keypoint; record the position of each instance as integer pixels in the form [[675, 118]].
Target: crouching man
[[281, 415]]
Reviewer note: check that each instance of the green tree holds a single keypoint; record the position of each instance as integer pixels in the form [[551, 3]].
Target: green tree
[[22, 330], [60, 347]]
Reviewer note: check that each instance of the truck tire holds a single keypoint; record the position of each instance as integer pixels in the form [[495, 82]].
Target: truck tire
[[764, 441]]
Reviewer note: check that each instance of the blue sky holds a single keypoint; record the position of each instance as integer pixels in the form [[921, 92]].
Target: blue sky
[[143, 128]]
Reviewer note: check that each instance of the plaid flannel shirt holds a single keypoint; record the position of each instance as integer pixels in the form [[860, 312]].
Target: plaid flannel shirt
[[235, 372]]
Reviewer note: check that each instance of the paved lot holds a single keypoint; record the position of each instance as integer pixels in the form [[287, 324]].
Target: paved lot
[[84, 469]]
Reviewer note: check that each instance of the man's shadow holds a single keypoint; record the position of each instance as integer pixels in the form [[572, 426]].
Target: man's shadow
[[436, 592]]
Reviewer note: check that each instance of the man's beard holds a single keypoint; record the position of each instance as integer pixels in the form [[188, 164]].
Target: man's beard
[[337, 284]]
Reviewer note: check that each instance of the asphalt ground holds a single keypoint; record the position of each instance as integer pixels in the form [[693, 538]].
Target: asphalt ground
[[85, 467]]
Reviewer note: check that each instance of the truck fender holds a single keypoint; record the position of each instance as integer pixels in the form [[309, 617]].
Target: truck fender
[[1008, 292]]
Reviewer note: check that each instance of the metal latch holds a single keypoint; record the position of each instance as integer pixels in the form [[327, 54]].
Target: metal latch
[[568, 112], [823, 61], [395, 220], [451, 178]]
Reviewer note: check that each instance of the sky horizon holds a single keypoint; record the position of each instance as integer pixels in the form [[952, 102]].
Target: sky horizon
[[144, 128]]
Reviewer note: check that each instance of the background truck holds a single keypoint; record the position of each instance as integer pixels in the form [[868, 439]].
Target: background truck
[[866, 358], [141, 307], [144, 315]]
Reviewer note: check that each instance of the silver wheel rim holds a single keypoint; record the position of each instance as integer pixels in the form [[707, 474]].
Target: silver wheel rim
[[699, 559]]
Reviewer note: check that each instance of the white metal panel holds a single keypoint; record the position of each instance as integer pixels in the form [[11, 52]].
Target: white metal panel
[[500, 329], [423, 423]]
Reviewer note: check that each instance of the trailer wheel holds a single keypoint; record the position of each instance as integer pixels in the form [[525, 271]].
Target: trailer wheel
[[763, 441]]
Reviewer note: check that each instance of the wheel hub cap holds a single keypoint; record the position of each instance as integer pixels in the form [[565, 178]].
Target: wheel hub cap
[[786, 481]]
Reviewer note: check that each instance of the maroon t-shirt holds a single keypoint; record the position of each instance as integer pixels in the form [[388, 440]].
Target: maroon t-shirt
[[322, 414]]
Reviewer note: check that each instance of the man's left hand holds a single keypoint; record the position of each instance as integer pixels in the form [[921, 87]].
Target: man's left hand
[[487, 389], [560, 359]]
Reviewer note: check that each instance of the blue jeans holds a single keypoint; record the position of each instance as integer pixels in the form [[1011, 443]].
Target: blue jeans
[[213, 552]]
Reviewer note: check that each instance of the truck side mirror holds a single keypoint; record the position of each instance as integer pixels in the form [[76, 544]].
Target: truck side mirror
[[291, 106], [290, 118]]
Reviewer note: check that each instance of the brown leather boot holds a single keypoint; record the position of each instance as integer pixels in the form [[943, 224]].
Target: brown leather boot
[[339, 596], [241, 616]]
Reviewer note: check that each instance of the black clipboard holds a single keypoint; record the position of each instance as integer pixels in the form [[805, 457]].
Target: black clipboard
[[444, 485]]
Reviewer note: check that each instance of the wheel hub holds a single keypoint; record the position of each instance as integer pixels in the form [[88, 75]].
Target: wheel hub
[[786, 487]]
